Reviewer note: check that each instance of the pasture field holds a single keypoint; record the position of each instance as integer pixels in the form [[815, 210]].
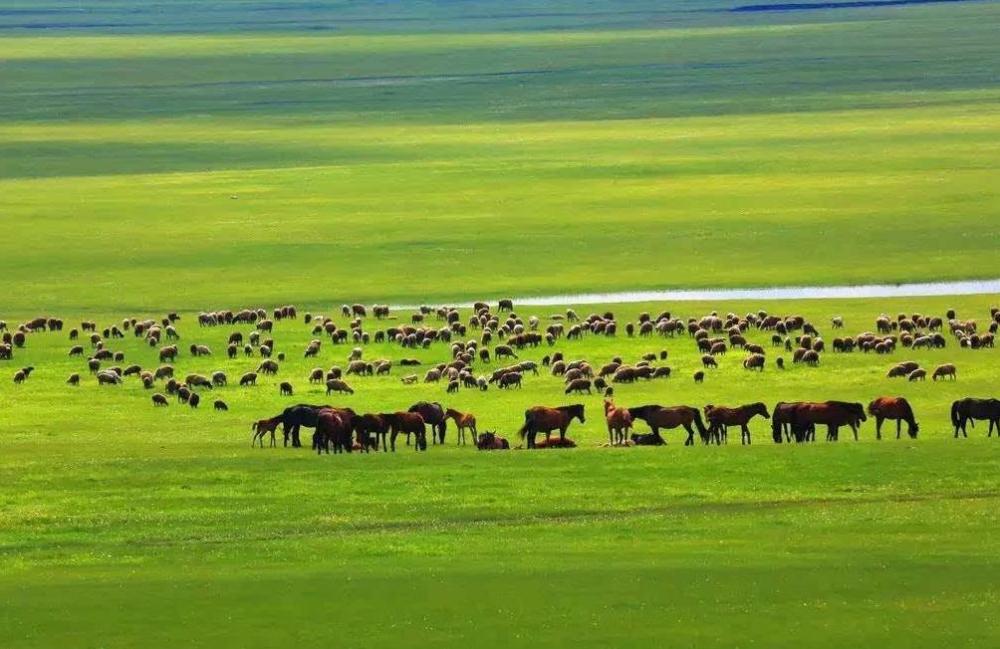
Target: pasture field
[[609, 147], [123, 522]]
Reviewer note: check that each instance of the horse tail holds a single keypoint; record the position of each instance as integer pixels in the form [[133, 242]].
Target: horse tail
[[955, 414], [698, 422], [524, 429]]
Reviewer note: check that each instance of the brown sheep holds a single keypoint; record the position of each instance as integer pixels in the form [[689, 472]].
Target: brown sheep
[[160, 400], [699, 377], [754, 362], [336, 385], [74, 379], [708, 361], [947, 369], [285, 389], [268, 367], [250, 378], [316, 375], [917, 375], [579, 385]]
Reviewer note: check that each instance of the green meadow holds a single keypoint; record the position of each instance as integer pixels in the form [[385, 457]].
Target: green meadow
[[182, 156]]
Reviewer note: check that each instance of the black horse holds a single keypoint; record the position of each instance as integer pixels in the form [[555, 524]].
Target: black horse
[[294, 417], [433, 414], [969, 409]]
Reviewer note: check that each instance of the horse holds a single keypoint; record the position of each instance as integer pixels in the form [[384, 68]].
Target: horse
[[896, 408], [833, 414], [969, 409], [781, 423], [619, 423], [490, 441], [368, 425], [542, 419], [647, 439], [333, 425], [720, 418], [671, 417], [261, 428], [462, 420], [433, 415], [408, 423], [294, 417]]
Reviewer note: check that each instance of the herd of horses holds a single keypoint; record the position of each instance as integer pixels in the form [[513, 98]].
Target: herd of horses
[[344, 430], [501, 336]]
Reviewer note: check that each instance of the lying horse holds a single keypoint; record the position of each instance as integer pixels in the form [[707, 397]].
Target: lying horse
[[671, 417], [490, 441], [720, 418], [965, 410], [542, 419], [896, 408]]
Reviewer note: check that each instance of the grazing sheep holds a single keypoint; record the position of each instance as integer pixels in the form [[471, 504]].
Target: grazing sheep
[[285, 389], [780, 362], [220, 405], [754, 362], [579, 385], [194, 400], [74, 379], [250, 378], [699, 377], [336, 385], [219, 379], [708, 361], [453, 386], [107, 377], [661, 372], [268, 367], [947, 369], [432, 376], [917, 375], [160, 400], [410, 379]]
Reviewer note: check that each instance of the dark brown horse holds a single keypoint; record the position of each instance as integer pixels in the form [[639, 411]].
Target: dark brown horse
[[490, 441], [333, 427], [671, 417], [832, 414], [896, 408], [433, 415], [369, 427], [542, 419], [407, 423], [781, 422], [720, 418], [969, 409]]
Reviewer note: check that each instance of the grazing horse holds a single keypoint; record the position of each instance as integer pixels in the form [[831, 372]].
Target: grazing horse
[[462, 420], [720, 418], [294, 417], [619, 423], [433, 415], [969, 409], [368, 425], [263, 427], [671, 417], [490, 441], [896, 408], [542, 419], [333, 426], [832, 414], [407, 423]]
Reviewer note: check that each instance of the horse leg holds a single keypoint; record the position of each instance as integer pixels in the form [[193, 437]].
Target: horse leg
[[690, 438], [274, 442], [611, 439], [392, 440], [744, 434], [899, 424], [878, 428]]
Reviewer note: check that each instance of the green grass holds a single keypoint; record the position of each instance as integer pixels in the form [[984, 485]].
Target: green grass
[[703, 149], [121, 521], [172, 155]]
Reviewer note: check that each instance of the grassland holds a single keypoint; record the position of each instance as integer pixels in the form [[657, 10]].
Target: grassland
[[152, 170], [123, 521], [173, 155]]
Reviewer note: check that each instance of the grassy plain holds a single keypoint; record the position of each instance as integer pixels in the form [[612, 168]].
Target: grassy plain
[[171, 155], [121, 521]]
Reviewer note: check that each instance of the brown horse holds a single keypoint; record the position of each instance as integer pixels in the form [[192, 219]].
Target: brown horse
[[433, 415], [407, 423], [490, 441], [369, 426], [671, 417], [965, 410], [462, 420], [263, 427], [720, 418], [781, 421], [896, 408], [619, 423], [542, 419], [832, 414], [333, 426]]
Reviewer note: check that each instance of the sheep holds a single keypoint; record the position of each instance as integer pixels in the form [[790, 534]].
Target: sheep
[[947, 369], [285, 389], [336, 385]]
